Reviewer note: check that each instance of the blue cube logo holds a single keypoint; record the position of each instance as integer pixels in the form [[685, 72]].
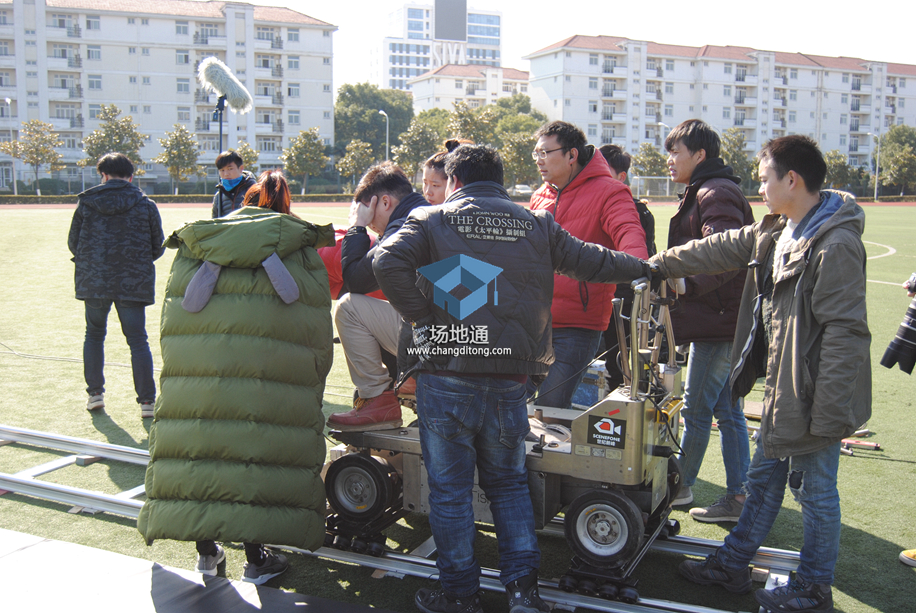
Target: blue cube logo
[[460, 284]]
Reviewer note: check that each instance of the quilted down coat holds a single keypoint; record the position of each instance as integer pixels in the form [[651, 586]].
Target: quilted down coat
[[236, 446], [595, 208]]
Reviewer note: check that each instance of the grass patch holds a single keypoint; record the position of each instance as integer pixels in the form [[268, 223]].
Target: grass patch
[[39, 316]]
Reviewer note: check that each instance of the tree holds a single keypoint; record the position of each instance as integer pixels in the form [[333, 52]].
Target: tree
[[417, 144], [249, 156], [524, 125], [436, 119], [36, 147], [304, 156], [649, 162], [518, 167], [356, 160], [356, 116], [839, 172], [179, 155], [734, 152], [898, 165], [114, 136], [517, 104], [474, 125]]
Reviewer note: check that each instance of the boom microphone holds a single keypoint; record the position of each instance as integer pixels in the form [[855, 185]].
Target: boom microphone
[[216, 77]]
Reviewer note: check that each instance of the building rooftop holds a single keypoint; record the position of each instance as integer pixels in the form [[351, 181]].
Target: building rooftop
[[473, 71], [186, 8]]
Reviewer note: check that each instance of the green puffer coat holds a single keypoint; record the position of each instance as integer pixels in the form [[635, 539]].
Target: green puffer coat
[[236, 447]]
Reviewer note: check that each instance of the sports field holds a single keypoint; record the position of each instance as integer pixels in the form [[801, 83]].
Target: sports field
[[42, 388]]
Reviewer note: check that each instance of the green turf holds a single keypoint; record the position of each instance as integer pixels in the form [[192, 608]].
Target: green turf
[[39, 316]]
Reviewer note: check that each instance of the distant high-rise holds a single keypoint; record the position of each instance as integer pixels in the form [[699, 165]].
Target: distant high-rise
[[423, 37]]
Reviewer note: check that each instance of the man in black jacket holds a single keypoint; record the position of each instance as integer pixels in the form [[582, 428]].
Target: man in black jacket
[[234, 183], [474, 279], [115, 237], [368, 326]]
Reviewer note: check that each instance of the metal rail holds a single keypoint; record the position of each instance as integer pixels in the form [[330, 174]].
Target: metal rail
[[404, 564]]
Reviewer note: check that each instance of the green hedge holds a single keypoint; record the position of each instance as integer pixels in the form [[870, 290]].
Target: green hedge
[[168, 198]]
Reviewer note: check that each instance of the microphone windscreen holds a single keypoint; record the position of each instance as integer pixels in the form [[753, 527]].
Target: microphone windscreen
[[216, 77]]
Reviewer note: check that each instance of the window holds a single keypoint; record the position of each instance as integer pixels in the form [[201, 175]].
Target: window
[[568, 78], [728, 68], [4, 79], [592, 106], [132, 50], [593, 82], [71, 141], [131, 21], [669, 88], [182, 56], [184, 113], [32, 105], [31, 74], [181, 27], [844, 99], [183, 86], [843, 120], [327, 33], [327, 114], [144, 22], [94, 52], [293, 118], [705, 109], [567, 102], [93, 22], [813, 93], [791, 116], [826, 95], [267, 144], [793, 94], [793, 73], [842, 139], [593, 59], [327, 87], [726, 113], [94, 110], [845, 77], [95, 81], [459, 84], [901, 82], [326, 61], [146, 81], [669, 110], [293, 62], [727, 90], [292, 35], [134, 108], [264, 33], [705, 85], [293, 90], [144, 50], [147, 109]]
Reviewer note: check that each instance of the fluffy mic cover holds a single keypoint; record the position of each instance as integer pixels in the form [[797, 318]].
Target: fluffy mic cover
[[216, 77]]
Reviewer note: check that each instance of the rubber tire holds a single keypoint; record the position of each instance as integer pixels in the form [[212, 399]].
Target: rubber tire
[[628, 595], [675, 477], [583, 526], [568, 583], [608, 591], [359, 488], [588, 587]]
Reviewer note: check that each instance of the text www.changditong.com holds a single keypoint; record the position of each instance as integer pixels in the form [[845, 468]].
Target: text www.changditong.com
[[464, 350]]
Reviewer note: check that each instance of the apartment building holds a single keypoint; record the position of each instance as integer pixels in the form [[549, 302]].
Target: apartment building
[[473, 84], [60, 60], [629, 92], [422, 37]]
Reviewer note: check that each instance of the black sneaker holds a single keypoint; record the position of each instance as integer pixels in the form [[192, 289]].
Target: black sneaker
[[524, 596], [798, 597], [274, 564], [437, 601], [709, 572]]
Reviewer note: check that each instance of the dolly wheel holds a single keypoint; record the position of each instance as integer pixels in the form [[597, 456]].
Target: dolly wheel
[[629, 595], [608, 591], [360, 488], [358, 546], [604, 527], [589, 588], [375, 549], [675, 478], [568, 583]]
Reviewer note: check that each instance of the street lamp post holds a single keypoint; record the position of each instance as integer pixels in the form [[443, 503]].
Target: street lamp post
[[668, 182], [386, 133], [877, 162], [9, 107]]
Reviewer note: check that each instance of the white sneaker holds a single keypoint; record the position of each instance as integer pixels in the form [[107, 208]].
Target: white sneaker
[[96, 401], [206, 565], [147, 409]]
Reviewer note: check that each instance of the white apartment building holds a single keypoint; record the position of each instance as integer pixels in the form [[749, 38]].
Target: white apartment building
[[60, 60], [476, 85], [629, 92], [422, 37]]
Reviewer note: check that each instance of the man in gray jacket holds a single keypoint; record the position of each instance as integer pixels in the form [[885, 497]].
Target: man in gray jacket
[[115, 237], [803, 325]]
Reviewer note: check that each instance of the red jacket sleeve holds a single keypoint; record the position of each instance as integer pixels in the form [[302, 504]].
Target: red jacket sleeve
[[620, 221]]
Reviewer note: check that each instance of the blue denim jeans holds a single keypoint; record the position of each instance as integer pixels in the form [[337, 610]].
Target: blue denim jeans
[[707, 394], [574, 349], [812, 479], [133, 325], [468, 422]]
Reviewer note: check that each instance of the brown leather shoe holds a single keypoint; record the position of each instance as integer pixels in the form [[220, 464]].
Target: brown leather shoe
[[408, 388], [379, 413]]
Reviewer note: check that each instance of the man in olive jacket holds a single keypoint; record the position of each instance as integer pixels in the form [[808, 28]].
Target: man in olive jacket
[[802, 324]]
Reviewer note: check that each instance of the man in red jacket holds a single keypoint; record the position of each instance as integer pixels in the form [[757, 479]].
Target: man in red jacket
[[589, 203]]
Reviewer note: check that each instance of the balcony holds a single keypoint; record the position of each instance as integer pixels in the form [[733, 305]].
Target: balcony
[[747, 79], [76, 122], [277, 71], [890, 110], [58, 92], [781, 79], [201, 96], [76, 92], [201, 38], [745, 101], [745, 122], [278, 126], [276, 43], [60, 123], [201, 125], [75, 62], [74, 31], [614, 70], [861, 109], [264, 128], [277, 99], [779, 102]]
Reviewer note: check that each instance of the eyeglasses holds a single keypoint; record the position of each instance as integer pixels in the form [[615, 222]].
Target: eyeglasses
[[542, 155]]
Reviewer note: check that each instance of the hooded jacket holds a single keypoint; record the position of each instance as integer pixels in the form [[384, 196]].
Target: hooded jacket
[[712, 203], [358, 252], [817, 364], [595, 208], [236, 446], [115, 236], [496, 263], [225, 202]]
